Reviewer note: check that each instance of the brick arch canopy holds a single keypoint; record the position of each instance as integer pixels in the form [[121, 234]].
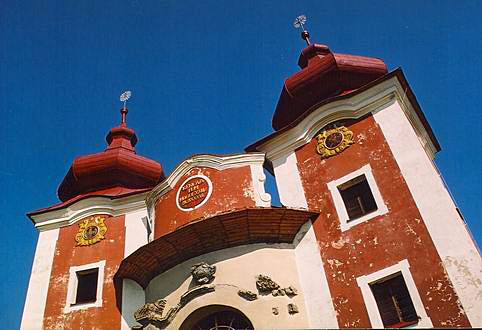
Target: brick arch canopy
[[245, 226]]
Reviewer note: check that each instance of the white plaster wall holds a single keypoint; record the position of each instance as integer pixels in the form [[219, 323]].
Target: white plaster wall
[[454, 244], [312, 277], [237, 269], [133, 295], [288, 181], [34, 308]]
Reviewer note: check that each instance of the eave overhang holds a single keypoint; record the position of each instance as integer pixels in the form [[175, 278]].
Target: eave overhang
[[246, 226]]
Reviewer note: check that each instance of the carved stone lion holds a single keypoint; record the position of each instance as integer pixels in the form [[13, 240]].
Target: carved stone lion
[[203, 272]]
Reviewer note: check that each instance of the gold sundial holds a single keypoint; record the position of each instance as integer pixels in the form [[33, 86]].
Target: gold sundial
[[91, 230], [334, 141]]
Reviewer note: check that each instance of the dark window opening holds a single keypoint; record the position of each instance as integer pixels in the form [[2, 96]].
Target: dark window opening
[[87, 286], [223, 320], [358, 197], [394, 302]]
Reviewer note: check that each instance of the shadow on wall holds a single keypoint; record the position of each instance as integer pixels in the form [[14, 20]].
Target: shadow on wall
[[212, 258]]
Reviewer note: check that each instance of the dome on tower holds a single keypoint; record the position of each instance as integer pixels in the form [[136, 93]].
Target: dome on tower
[[116, 171], [323, 75]]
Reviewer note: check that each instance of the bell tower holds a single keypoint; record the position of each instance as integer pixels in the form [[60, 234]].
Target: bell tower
[[351, 142], [102, 218]]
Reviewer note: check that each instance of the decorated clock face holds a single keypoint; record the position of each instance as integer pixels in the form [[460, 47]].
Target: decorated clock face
[[334, 141], [91, 231]]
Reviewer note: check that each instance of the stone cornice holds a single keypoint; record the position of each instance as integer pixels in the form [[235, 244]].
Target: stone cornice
[[371, 100], [87, 207]]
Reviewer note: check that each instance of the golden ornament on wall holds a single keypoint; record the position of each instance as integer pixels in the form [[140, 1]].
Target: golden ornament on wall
[[334, 141], [91, 230]]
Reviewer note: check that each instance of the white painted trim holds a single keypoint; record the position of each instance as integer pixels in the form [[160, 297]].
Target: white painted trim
[[377, 97], [135, 231], [261, 197], [87, 207], [454, 244], [36, 300], [288, 181], [211, 161], [313, 281], [404, 268], [210, 191], [133, 295], [382, 209], [72, 287]]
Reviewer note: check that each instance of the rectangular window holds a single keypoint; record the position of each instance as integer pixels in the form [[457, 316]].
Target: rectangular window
[[394, 303], [87, 286], [357, 197]]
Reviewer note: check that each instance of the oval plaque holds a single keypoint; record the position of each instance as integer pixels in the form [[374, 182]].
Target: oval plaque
[[194, 192]]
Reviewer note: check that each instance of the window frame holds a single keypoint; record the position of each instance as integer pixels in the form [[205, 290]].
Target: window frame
[[70, 304], [333, 187], [402, 267]]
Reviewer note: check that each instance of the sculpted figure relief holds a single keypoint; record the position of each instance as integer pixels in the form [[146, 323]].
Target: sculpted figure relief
[[203, 272]]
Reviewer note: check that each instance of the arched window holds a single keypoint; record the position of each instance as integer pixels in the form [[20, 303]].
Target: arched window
[[216, 317]]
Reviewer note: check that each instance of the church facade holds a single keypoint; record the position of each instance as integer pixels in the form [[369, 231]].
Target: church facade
[[367, 234]]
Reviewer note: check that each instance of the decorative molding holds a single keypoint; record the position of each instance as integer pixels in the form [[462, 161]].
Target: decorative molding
[[152, 313], [371, 100], [262, 198], [203, 273], [334, 141], [88, 207], [248, 295], [211, 161], [91, 231]]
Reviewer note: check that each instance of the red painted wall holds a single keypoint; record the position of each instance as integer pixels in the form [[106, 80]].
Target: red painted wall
[[380, 242], [67, 254], [232, 189]]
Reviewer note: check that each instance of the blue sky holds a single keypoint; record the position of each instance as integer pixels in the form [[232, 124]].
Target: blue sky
[[205, 77]]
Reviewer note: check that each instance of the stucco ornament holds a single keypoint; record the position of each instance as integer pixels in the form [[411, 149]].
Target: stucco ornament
[[265, 284], [334, 141], [150, 311], [248, 295], [91, 230], [151, 314], [292, 309], [203, 272]]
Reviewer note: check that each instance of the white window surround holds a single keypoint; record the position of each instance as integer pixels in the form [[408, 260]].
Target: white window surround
[[72, 287], [402, 267], [345, 222]]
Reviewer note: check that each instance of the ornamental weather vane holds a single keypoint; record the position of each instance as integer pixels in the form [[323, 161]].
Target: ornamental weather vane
[[123, 98], [300, 22]]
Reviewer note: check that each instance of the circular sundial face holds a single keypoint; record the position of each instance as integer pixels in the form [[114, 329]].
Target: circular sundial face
[[90, 232], [333, 140]]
